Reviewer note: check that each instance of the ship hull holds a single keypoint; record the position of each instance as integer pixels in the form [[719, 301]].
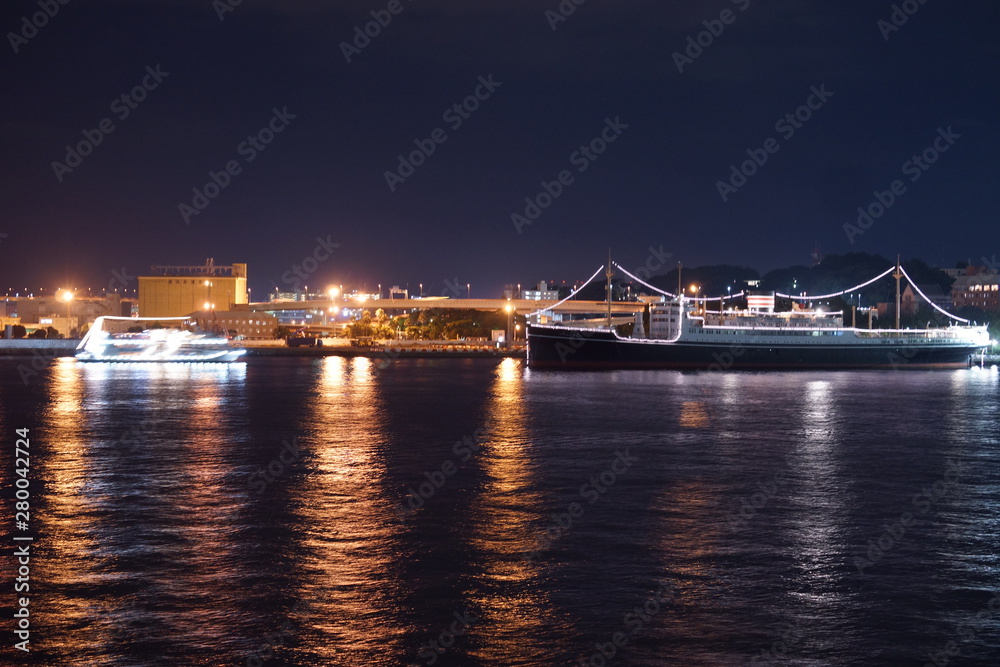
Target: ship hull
[[586, 349], [218, 357]]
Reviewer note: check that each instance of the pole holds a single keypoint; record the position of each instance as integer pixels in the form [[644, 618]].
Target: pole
[[507, 337], [609, 272], [897, 275]]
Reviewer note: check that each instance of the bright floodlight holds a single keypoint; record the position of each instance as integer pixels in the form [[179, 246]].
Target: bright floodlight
[[509, 308], [333, 292], [208, 306], [66, 296]]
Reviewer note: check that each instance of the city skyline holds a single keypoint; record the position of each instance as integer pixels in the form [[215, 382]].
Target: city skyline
[[653, 267]]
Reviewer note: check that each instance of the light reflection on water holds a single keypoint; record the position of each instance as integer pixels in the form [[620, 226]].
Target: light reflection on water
[[523, 620], [158, 549], [344, 522]]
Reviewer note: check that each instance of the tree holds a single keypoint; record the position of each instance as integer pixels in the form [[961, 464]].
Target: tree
[[18, 331], [52, 332], [37, 333]]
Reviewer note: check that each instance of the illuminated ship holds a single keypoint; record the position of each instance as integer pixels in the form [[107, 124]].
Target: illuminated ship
[[682, 333], [155, 345]]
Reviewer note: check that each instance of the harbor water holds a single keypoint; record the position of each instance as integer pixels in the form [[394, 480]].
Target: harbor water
[[354, 511]]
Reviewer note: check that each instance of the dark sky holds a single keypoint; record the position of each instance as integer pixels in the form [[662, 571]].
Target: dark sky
[[655, 186]]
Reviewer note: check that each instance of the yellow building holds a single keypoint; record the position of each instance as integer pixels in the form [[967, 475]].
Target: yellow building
[[176, 291]]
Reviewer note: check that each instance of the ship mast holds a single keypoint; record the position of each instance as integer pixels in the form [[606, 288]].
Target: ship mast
[[609, 272], [897, 275]]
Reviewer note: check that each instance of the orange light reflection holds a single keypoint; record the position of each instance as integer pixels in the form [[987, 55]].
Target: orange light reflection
[[507, 593], [350, 580]]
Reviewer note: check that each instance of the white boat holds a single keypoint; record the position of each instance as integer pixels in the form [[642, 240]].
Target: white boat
[[178, 343]]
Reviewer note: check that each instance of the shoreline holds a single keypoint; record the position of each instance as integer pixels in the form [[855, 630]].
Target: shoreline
[[27, 347]]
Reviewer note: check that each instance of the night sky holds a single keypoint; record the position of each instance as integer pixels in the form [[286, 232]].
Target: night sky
[[880, 94]]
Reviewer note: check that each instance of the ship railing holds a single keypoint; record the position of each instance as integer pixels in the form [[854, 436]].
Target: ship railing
[[917, 335]]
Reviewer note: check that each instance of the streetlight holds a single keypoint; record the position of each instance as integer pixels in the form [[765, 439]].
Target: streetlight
[[468, 289], [67, 296], [421, 290], [510, 314]]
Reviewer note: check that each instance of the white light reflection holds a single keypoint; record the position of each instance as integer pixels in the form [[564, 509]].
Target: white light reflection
[[971, 510], [818, 501]]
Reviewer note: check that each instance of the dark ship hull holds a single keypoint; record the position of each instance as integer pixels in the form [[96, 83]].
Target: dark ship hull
[[566, 348]]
